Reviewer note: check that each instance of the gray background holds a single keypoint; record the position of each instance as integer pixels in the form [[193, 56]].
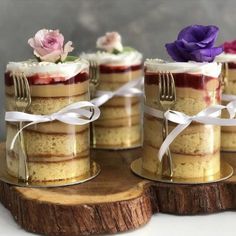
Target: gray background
[[144, 24]]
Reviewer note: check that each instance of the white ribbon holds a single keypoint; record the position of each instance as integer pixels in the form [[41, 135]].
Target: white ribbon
[[228, 97], [208, 116], [73, 114], [131, 88]]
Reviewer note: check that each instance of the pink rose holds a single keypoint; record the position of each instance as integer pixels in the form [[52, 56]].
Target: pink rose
[[110, 42], [49, 45], [230, 47]]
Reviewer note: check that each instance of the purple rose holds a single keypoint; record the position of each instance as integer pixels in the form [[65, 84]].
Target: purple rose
[[195, 43]]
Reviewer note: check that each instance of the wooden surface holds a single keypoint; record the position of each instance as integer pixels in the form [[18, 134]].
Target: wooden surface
[[113, 202]]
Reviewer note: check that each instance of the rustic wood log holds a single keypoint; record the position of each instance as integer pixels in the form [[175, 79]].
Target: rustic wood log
[[115, 201]]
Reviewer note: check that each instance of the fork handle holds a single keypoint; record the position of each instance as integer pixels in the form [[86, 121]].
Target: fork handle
[[167, 166], [23, 165]]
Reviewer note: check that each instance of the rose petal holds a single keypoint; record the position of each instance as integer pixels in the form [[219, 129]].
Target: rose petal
[[207, 55], [191, 33], [198, 36], [174, 52], [51, 57], [110, 42], [67, 48]]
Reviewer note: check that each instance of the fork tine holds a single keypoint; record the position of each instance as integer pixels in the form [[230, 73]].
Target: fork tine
[[26, 84], [20, 89], [160, 84], [167, 85], [22, 86], [173, 87], [163, 85], [15, 85], [27, 90]]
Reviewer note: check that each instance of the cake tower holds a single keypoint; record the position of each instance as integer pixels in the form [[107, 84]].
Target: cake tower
[[119, 125], [55, 150], [228, 59], [195, 151]]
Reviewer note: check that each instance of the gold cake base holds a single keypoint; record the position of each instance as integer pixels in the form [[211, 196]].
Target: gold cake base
[[226, 171], [7, 178]]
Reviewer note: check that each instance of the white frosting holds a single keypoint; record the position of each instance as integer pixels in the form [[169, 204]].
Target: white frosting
[[226, 57], [32, 67], [124, 58], [212, 69]]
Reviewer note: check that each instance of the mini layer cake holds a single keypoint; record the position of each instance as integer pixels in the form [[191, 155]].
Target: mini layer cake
[[195, 151], [119, 125], [55, 150], [228, 133]]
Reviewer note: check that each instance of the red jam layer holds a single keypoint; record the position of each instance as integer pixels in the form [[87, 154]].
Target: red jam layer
[[232, 65], [182, 80], [185, 80], [108, 69], [44, 80]]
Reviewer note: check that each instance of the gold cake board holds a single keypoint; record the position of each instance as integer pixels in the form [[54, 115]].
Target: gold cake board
[[115, 201], [226, 171]]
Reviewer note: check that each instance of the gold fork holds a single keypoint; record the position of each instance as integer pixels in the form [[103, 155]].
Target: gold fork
[[93, 76], [93, 83], [224, 74], [22, 102], [167, 98]]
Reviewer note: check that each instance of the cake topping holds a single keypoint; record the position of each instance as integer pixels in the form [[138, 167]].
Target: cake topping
[[64, 70], [209, 69], [52, 61], [110, 42], [195, 43], [49, 46], [229, 54], [230, 47], [113, 52]]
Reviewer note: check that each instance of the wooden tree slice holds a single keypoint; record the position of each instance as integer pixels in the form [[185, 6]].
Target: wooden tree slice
[[115, 201]]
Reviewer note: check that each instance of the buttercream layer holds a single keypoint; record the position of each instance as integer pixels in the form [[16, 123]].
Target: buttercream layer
[[193, 68], [48, 72], [184, 166]]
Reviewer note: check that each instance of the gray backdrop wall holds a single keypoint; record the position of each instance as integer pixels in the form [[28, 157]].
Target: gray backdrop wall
[[144, 24]]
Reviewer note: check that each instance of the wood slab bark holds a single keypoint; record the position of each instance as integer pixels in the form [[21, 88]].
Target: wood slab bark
[[115, 201]]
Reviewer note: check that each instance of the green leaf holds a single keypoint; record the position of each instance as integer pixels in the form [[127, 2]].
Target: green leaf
[[115, 51], [71, 58], [128, 49]]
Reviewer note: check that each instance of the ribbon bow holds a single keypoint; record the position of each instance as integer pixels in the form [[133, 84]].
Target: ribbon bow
[[74, 114], [208, 116]]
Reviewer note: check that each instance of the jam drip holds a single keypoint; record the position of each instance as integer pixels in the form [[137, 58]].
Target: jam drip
[[44, 80], [108, 69]]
